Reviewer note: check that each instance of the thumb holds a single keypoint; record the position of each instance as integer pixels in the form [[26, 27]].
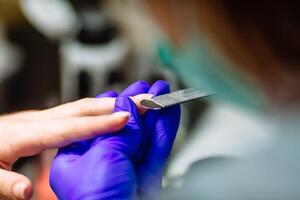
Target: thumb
[[128, 139], [133, 123], [14, 186]]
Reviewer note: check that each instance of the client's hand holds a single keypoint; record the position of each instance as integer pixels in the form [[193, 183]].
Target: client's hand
[[124, 165], [29, 132]]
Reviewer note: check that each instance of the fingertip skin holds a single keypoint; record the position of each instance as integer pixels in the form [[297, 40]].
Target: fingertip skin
[[121, 120]]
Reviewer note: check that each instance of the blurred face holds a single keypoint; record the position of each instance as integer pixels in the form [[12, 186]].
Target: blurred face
[[193, 57], [176, 18], [260, 47]]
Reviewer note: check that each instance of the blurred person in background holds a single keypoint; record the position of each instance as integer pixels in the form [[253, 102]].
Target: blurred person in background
[[258, 44]]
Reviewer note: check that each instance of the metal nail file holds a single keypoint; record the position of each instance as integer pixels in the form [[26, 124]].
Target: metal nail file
[[173, 98]]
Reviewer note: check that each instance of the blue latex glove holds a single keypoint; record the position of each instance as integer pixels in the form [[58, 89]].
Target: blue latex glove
[[121, 166], [159, 131]]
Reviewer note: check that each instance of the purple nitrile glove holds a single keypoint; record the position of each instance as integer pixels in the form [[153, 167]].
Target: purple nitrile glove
[[158, 132], [159, 128], [134, 157], [101, 169]]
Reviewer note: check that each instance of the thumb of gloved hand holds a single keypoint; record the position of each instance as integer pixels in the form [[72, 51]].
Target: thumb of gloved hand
[[14, 186]]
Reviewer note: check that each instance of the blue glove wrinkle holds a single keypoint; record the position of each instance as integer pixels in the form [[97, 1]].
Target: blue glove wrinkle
[[78, 148]]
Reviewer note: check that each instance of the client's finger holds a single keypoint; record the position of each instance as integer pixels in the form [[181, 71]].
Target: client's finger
[[83, 107], [61, 132], [14, 186]]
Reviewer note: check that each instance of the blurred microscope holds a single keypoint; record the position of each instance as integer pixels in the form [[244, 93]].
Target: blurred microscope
[[91, 48]]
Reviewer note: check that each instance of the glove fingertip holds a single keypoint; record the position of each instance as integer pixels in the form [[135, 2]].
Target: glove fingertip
[[159, 87], [141, 82], [110, 93], [136, 88], [164, 82]]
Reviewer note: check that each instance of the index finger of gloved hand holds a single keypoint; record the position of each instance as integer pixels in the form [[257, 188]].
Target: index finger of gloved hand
[[136, 88], [149, 119], [159, 87]]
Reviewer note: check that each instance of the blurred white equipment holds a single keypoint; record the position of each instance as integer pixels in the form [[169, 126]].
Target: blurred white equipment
[[95, 60], [10, 56], [88, 41], [53, 18]]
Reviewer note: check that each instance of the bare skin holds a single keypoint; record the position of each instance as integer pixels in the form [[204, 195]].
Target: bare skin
[[30, 132]]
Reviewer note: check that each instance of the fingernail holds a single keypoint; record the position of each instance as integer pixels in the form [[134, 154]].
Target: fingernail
[[143, 96], [122, 114], [21, 190]]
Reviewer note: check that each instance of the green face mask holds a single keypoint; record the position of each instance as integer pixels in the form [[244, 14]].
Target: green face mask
[[198, 67]]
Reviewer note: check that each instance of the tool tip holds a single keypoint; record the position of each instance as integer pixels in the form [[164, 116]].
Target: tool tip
[[151, 104]]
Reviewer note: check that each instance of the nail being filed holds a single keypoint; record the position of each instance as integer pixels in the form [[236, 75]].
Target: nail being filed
[[173, 98]]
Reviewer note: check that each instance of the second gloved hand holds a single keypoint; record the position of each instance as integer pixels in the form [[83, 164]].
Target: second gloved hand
[[159, 128]]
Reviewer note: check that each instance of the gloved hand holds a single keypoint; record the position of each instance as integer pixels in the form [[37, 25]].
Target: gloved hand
[[119, 166], [159, 128]]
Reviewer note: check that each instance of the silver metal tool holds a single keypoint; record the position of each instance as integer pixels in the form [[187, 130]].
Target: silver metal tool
[[172, 98]]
